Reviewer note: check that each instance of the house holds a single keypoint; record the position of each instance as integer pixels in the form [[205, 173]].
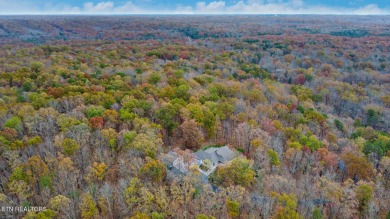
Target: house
[[215, 155], [176, 163], [205, 161], [179, 161], [181, 165]]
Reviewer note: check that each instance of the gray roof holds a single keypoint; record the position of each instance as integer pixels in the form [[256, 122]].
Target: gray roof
[[216, 155], [225, 153]]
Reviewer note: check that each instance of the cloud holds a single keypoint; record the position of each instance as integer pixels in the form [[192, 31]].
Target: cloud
[[31, 7], [110, 8], [278, 7], [201, 7], [252, 7], [211, 7], [128, 6], [371, 9], [102, 6]]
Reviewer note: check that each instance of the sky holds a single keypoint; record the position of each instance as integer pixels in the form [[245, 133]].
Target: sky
[[358, 7]]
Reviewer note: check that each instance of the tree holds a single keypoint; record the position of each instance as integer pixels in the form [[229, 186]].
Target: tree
[[274, 158], [242, 136], [182, 193], [380, 146], [294, 144], [145, 139], [18, 173], [97, 122], [14, 123], [310, 141], [384, 168], [233, 208], [20, 188], [69, 146], [153, 170], [386, 100], [132, 193], [65, 122], [36, 66], [317, 214], [38, 176], [111, 116], [154, 78], [111, 136], [238, 171], [38, 100], [139, 215], [94, 111], [36, 168], [339, 125], [47, 214], [289, 58], [203, 216], [196, 112], [313, 115], [372, 117], [61, 205], [287, 206], [192, 136], [145, 144], [209, 123], [182, 92], [341, 198], [88, 207], [166, 114], [357, 167], [303, 93], [35, 141], [364, 196], [156, 215], [99, 170]]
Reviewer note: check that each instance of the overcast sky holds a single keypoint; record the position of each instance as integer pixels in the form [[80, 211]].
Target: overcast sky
[[360, 7]]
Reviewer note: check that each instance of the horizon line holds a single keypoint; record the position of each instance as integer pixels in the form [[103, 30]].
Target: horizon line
[[208, 14]]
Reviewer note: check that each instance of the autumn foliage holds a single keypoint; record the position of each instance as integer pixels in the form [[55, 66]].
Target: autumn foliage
[[95, 111]]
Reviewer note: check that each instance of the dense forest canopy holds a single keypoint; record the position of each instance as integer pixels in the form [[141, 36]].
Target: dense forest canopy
[[91, 108]]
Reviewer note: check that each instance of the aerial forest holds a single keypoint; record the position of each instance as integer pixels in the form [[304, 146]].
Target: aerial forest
[[92, 107]]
